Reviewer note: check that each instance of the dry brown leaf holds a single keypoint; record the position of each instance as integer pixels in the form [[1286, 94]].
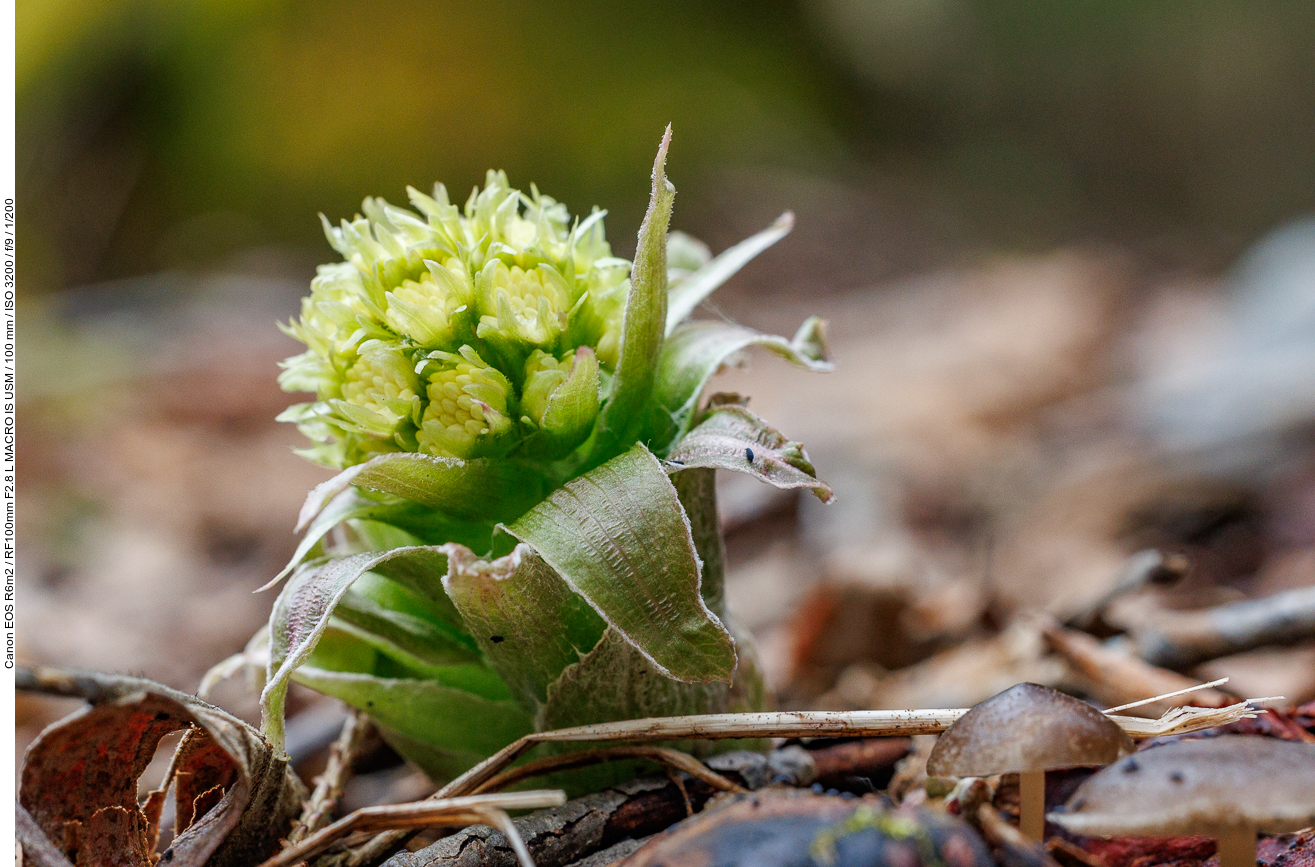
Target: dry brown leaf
[[234, 797]]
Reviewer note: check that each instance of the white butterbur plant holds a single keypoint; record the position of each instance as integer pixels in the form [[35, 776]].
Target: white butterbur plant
[[523, 533]]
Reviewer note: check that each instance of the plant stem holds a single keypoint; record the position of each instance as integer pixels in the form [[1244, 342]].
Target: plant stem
[[1237, 848], [1032, 804]]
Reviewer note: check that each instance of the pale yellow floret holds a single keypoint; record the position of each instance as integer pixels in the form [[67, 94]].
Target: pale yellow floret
[[424, 309], [527, 305], [371, 386], [379, 392], [467, 403]]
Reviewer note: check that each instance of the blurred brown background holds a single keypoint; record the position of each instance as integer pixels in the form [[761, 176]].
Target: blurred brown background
[[1034, 226]]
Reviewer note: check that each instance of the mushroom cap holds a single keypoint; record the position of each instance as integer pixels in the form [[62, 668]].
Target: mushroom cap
[[1198, 787], [1027, 728]]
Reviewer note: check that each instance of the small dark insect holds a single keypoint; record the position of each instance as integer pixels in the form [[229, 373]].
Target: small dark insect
[[1131, 767], [678, 463], [748, 453], [1176, 777], [496, 639]]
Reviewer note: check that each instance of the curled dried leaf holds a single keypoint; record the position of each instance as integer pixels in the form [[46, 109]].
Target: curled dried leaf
[[234, 797]]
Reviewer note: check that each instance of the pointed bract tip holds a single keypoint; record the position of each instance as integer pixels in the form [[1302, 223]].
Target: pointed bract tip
[[660, 163]]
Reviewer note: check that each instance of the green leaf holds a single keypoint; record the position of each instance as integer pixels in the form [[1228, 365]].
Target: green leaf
[[444, 730], [573, 405], [421, 570], [697, 489], [480, 489], [423, 526], [416, 642], [731, 437], [692, 290], [645, 319], [347, 504], [697, 350], [346, 647], [300, 616], [614, 681], [526, 620], [618, 536], [384, 524], [698, 494]]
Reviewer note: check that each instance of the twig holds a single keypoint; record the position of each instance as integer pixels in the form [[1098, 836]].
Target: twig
[[796, 724], [837, 764], [1181, 639], [503, 823], [449, 812], [670, 758], [1181, 720], [337, 771], [684, 793]]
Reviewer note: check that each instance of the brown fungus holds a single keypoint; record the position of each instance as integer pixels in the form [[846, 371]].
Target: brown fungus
[[1230, 787], [1028, 729]]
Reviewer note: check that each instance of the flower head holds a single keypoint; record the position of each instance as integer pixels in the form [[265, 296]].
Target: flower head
[[435, 327]]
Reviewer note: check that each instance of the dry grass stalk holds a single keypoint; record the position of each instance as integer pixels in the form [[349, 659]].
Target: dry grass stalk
[[1196, 688], [796, 724], [445, 812], [671, 759]]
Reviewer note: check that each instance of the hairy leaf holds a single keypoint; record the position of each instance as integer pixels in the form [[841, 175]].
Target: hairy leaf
[[573, 406], [475, 490], [615, 682], [692, 290], [421, 570], [415, 642], [618, 536], [731, 437], [697, 350], [301, 614], [344, 505], [697, 489], [235, 797], [363, 512], [645, 318], [527, 621], [442, 729]]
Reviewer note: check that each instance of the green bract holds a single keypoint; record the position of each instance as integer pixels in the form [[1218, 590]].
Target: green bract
[[527, 531]]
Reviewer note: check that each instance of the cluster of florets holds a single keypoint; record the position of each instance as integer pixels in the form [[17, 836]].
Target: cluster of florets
[[461, 333]]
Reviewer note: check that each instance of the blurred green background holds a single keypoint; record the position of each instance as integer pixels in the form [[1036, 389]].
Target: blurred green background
[[185, 134]]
